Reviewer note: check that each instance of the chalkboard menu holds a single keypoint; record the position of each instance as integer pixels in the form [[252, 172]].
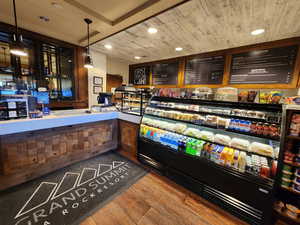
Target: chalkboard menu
[[165, 73], [268, 66], [141, 75], [207, 70]]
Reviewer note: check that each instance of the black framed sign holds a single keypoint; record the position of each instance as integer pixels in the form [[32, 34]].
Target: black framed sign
[[141, 75], [208, 70], [267, 66], [165, 73]]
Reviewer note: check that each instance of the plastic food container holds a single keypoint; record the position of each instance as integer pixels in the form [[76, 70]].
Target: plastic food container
[[287, 174], [286, 182], [297, 173], [296, 186], [292, 211], [297, 179], [287, 168]]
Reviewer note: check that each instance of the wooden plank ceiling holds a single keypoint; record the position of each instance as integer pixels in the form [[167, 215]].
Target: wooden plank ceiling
[[66, 16], [205, 25]]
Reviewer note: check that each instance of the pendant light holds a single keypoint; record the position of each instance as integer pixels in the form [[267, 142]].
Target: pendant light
[[88, 63], [17, 46]]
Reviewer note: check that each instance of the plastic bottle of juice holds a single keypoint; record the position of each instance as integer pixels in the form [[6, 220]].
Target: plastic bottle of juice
[[218, 154], [236, 158], [199, 147], [188, 145], [229, 158], [213, 153], [223, 156], [242, 161]]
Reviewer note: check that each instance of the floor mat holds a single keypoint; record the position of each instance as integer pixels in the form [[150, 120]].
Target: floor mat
[[69, 195]]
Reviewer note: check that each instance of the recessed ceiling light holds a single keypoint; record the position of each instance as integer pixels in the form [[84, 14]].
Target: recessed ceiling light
[[44, 18], [137, 57], [258, 31], [108, 46], [152, 30], [178, 49]]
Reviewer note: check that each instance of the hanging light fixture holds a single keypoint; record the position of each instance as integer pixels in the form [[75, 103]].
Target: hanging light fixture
[[88, 62], [17, 46]]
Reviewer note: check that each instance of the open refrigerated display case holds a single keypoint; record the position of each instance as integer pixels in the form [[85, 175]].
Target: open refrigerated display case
[[287, 185], [224, 151], [132, 101]]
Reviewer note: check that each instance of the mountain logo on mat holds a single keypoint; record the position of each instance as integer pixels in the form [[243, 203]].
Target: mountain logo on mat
[[50, 197]]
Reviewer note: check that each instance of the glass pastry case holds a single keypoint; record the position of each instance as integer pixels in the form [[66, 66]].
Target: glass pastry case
[[131, 100]]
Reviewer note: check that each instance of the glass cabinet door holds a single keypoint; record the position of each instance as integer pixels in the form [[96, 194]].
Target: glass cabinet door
[[16, 72], [58, 63], [67, 73]]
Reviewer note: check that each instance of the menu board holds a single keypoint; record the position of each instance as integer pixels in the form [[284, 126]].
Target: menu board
[[207, 70], [267, 66], [165, 73], [141, 75]]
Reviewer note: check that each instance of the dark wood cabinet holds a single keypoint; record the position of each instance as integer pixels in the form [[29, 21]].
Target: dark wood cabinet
[[50, 63]]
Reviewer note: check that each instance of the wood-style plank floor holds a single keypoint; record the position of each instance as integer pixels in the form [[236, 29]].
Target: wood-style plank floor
[[154, 200]]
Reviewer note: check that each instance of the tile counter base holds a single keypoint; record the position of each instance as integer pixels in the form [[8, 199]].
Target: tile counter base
[[28, 155]]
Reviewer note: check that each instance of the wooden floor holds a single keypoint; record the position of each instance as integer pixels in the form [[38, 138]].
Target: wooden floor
[[155, 200]]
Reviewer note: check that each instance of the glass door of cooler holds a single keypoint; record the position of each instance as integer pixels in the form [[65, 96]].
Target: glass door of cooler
[[287, 188]]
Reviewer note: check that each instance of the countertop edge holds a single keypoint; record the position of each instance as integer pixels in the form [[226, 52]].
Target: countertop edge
[[26, 125]]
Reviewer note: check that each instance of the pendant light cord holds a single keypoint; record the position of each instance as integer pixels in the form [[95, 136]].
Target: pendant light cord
[[15, 15], [88, 30]]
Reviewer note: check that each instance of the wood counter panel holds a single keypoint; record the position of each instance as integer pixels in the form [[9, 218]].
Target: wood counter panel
[[128, 134], [28, 155]]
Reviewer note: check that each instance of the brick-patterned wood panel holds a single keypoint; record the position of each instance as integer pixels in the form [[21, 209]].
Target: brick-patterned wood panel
[[128, 133], [31, 154]]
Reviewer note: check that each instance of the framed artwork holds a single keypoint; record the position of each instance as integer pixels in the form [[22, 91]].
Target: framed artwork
[[98, 80], [97, 89]]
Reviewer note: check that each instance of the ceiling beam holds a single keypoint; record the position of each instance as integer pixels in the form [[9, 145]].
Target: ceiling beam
[[134, 11], [141, 21], [89, 11]]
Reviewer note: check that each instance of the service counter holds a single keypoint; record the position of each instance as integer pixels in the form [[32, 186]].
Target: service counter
[[30, 148]]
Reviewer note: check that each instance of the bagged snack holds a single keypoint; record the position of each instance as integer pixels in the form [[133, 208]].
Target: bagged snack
[[243, 96], [264, 97], [275, 97], [227, 94]]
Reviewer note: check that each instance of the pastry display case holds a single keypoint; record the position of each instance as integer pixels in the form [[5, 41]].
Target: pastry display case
[[132, 101], [224, 151]]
